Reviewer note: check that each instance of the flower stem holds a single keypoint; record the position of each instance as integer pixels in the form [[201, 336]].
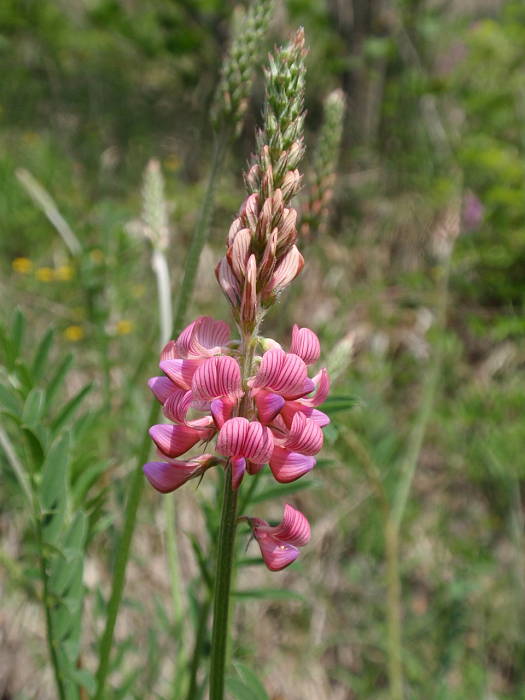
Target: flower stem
[[221, 605], [119, 573]]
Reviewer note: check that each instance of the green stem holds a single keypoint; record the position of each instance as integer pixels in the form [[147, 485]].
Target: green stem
[[200, 234], [221, 605], [119, 574]]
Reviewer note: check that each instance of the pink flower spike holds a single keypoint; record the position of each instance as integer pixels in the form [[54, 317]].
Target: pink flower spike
[[279, 544], [306, 344], [288, 466], [221, 410], [238, 469], [161, 388], [283, 373], [305, 435], [175, 440], [168, 476], [180, 371], [268, 405], [217, 376]]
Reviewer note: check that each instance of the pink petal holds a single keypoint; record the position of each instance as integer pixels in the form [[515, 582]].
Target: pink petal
[[276, 555], [169, 351], [177, 405], [249, 293], [268, 405], [238, 469], [180, 371], [287, 270], [231, 437], [238, 253], [168, 476], [222, 409], [217, 376], [294, 528], [306, 344], [290, 408], [208, 337], [281, 372], [322, 387], [183, 341], [162, 387], [305, 435], [319, 417], [288, 466], [258, 443], [253, 468], [228, 282], [175, 440]]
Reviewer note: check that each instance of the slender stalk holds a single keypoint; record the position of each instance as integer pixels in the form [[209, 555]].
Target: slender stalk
[[221, 605], [119, 573], [200, 233]]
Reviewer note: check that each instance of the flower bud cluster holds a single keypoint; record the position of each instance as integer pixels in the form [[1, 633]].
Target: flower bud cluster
[[201, 393], [249, 31], [320, 188], [261, 257]]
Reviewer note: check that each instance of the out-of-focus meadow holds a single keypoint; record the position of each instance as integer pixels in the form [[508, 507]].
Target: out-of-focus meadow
[[90, 91]]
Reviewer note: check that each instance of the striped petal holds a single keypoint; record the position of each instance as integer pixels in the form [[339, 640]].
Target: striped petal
[[208, 337], [284, 373], [268, 405], [288, 466], [287, 270], [258, 443], [180, 371], [231, 437], [322, 387], [177, 405], [305, 435], [162, 387], [306, 344], [228, 282], [217, 376], [175, 440], [275, 554], [238, 252], [222, 409], [294, 527], [238, 469], [168, 476]]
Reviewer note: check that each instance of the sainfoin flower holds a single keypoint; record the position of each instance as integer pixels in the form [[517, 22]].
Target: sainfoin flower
[[279, 544], [201, 392]]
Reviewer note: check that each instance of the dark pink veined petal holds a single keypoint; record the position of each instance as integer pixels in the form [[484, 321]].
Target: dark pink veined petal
[[222, 409], [228, 282], [249, 292], [168, 476], [305, 435], [275, 554], [253, 468], [322, 387], [281, 372], [238, 252], [290, 408], [287, 270], [231, 437], [268, 405], [217, 376], [306, 344], [180, 371], [177, 405], [208, 337], [319, 417], [175, 440], [162, 387], [258, 443], [169, 351], [183, 341], [288, 466], [238, 469], [293, 529]]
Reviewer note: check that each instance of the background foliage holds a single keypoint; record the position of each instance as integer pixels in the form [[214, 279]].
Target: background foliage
[[90, 91]]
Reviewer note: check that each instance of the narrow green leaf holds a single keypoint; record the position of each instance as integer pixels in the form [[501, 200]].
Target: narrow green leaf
[[281, 490], [70, 407], [36, 448], [41, 354], [69, 567], [86, 479], [237, 689], [7, 346], [335, 404], [53, 488], [251, 681], [33, 408], [18, 331], [271, 593], [83, 679], [58, 378], [10, 401]]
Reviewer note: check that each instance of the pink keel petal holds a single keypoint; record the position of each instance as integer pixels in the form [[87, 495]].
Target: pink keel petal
[[322, 387], [180, 371], [258, 443], [294, 527], [177, 405], [231, 437], [168, 476], [175, 440], [238, 469], [305, 435], [306, 344], [288, 466], [276, 555], [162, 387], [217, 376], [221, 410], [268, 405], [281, 372]]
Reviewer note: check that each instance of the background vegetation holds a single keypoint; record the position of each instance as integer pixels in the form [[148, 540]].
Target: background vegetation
[[90, 91]]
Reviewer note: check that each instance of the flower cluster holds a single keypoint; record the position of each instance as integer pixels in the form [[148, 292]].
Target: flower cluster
[[201, 393]]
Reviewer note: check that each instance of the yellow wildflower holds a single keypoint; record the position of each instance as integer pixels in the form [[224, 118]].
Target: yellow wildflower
[[124, 327], [45, 274], [22, 265], [74, 333], [64, 273]]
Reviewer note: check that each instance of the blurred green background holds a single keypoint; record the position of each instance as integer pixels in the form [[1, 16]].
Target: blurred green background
[[90, 90]]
